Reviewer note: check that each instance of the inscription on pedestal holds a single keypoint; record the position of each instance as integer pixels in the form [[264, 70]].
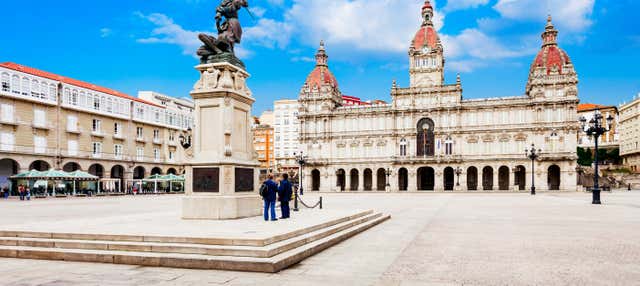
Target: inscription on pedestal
[[244, 180], [206, 180]]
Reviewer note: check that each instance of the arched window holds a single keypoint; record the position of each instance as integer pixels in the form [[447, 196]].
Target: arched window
[[44, 89], [15, 84], [403, 147], [425, 138], [6, 85], [74, 97], [53, 92], [35, 88], [25, 86]]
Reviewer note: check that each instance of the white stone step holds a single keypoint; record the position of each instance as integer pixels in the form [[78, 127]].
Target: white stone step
[[221, 250], [192, 261], [187, 240]]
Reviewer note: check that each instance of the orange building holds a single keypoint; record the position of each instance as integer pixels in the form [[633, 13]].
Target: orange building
[[263, 144]]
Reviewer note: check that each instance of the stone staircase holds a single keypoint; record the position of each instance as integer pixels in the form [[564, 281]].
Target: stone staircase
[[257, 255]]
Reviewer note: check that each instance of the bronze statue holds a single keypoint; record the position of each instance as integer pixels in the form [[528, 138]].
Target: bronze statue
[[229, 33]]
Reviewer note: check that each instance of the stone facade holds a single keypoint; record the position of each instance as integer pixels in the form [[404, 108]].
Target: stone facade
[[630, 134], [50, 121], [429, 131], [608, 140]]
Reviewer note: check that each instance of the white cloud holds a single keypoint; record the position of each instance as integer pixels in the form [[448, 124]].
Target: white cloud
[[105, 32], [569, 15], [368, 25], [453, 5], [269, 33], [472, 49], [168, 32]]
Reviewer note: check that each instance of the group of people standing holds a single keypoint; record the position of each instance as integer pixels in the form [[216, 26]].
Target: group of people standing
[[24, 192], [272, 191]]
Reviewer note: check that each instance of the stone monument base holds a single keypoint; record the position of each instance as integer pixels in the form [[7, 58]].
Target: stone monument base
[[221, 207]]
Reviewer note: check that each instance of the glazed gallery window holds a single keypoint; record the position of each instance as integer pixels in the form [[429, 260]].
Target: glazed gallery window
[[39, 144], [72, 148], [7, 113], [15, 84], [6, 84]]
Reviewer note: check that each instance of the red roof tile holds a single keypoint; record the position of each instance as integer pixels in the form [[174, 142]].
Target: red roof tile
[[426, 36], [78, 83]]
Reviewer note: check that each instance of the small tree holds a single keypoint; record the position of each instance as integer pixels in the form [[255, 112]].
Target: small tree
[[585, 157]]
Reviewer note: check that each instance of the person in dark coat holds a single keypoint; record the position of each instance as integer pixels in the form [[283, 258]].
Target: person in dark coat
[[269, 198], [284, 194]]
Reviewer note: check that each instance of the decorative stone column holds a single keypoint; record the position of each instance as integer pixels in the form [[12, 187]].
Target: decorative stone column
[[412, 185], [496, 179], [347, 181], [222, 174], [361, 180], [438, 180]]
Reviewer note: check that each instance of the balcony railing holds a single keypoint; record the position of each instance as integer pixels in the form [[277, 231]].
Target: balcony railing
[[73, 130], [97, 133], [157, 141], [41, 125], [141, 139]]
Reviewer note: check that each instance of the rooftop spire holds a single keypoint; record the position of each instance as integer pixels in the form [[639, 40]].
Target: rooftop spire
[[550, 34], [427, 13], [321, 56]]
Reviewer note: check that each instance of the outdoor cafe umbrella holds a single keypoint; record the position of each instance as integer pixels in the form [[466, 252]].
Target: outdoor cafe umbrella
[[173, 178], [155, 178], [50, 175], [81, 176]]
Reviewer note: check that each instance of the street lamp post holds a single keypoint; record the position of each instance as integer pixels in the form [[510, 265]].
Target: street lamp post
[[302, 160], [458, 173], [595, 128], [533, 154]]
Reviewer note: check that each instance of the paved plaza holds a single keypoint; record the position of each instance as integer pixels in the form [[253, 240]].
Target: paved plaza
[[432, 239]]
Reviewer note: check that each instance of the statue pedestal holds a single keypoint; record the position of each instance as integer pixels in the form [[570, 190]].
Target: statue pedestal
[[222, 173]]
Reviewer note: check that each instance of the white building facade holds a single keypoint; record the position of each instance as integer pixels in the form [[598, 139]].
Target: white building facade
[[429, 138], [286, 131]]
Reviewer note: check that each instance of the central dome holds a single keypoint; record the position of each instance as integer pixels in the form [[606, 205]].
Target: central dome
[[551, 58]]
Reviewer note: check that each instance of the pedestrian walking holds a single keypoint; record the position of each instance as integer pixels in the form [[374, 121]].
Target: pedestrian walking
[[27, 194], [21, 192], [285, 191], [268, 191]]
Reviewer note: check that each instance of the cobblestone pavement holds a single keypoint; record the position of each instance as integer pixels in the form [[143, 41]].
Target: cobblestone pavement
[[432, 239]]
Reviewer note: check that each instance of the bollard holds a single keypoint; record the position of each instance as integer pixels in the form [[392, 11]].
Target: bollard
[[320, 202], [295, 203], [629, 189]]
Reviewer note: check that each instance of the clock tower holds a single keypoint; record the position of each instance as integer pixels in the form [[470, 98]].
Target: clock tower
[[426, 55]]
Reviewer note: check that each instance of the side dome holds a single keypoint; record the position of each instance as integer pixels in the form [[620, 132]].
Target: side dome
[[321, 75]]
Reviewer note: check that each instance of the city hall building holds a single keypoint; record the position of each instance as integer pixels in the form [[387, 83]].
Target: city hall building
[[429, 138], [48, 121]]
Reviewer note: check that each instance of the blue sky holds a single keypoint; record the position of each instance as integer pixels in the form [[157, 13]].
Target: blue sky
[[132, 45]]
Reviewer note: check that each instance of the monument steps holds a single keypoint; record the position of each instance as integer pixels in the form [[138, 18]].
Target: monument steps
[[269, 258], [183, 248], [183, 240]]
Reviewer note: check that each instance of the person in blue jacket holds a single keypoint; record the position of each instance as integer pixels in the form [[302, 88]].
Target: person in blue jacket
[[284, 196], [269, 197]]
